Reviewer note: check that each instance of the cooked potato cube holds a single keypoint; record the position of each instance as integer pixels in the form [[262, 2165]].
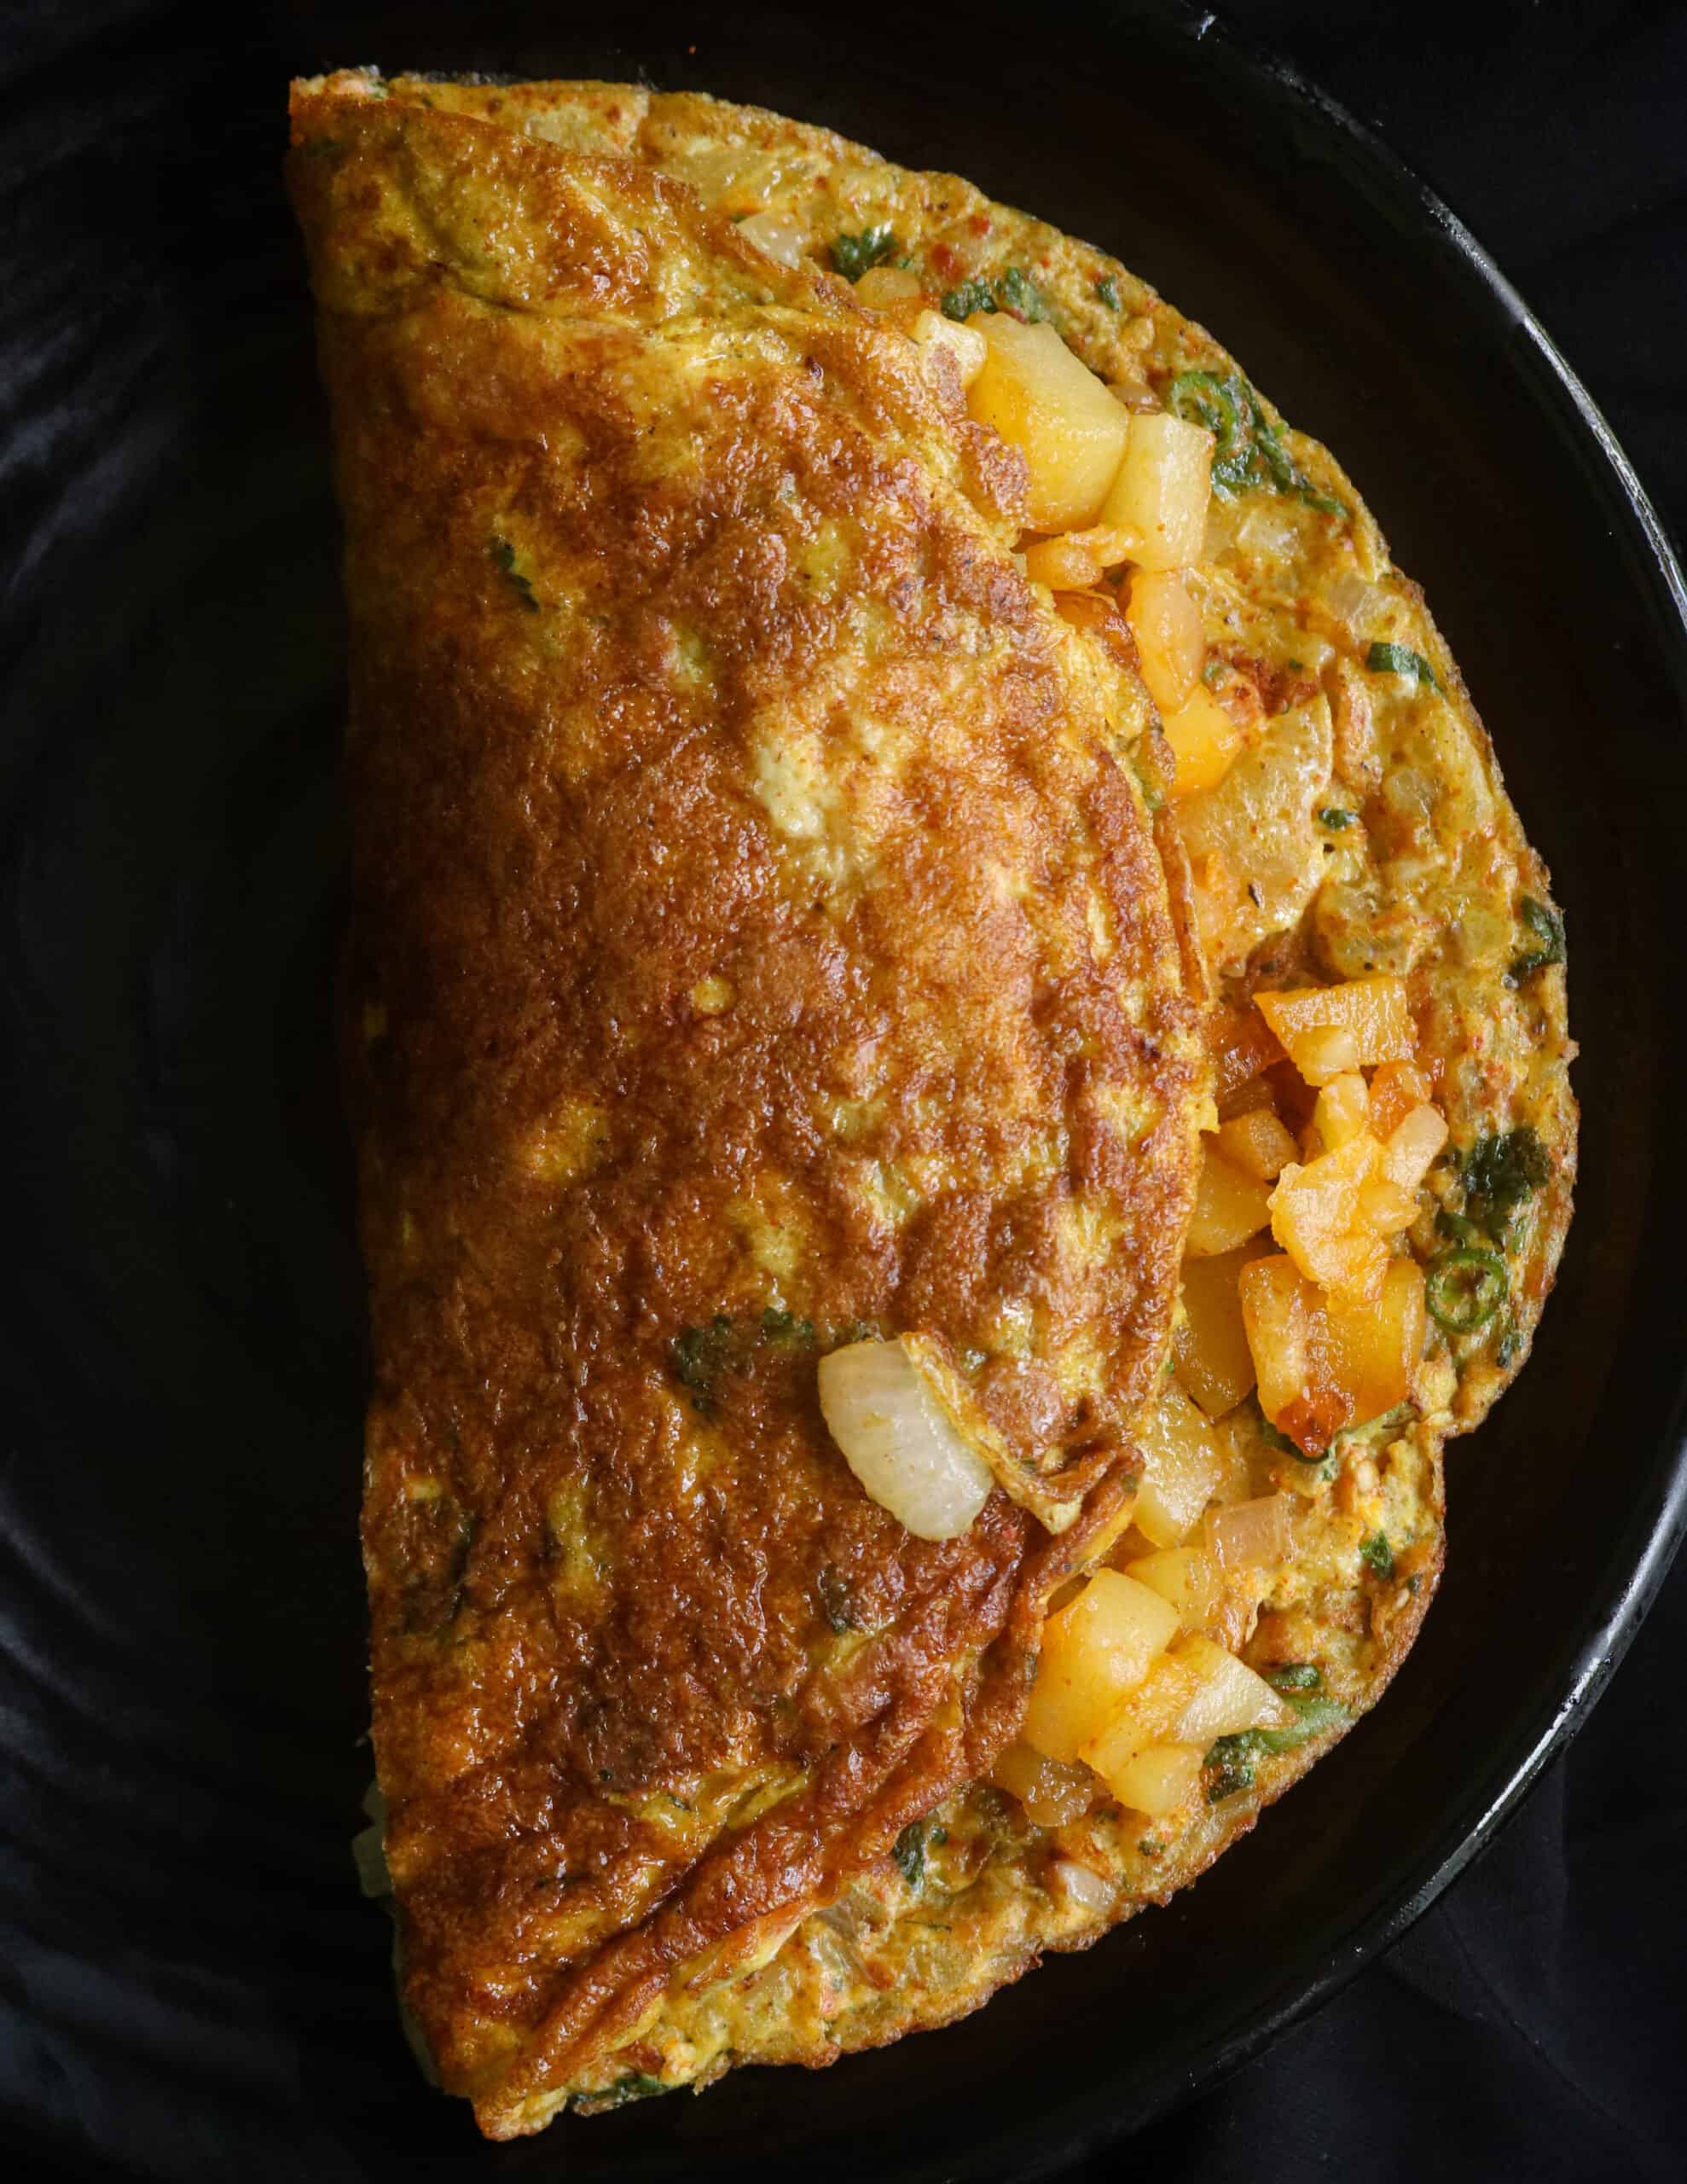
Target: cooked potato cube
[[1158, 1779], [1256, 1142], [1182, 1463], [1315, 1217], [1162, 489], [1230, 1207], [1095, 1652], [965, 344], [1413, 1143], [1170, 642], [1204, 741], [1041, 400], [1075, 560], [1331, 1029], [1342, 1110], [1213, 1361], [882, 287], [1146, 1718], [1189, 1579], [1328, 1362], [1396, 1089]]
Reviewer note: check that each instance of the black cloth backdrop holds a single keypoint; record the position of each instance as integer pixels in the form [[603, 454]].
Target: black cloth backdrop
[[1534, 2023]]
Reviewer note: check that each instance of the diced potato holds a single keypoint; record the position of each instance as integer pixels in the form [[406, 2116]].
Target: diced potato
[[1158, 1781], [1213, 1361], [1242, 1045], [1372, 1352], [1075, 560], [1053, 1791], [1413, 1143], [1170, 642], [1182, 1463], [1342, 1110], [1328, 1362], [965, 344], [1385, 1208], [1331, 1029], [883, 284], [1278, 1308], [1315, 1217], [1147, 1717], [1204, 741], [1229, 1698], [1162, 489], [1041, 400], [1230, 1207], [1095, 1652], [1256, 1142], [1396, 1089], [1189, 1579]]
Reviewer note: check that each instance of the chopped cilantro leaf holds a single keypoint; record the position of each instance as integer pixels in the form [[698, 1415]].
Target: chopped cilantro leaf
[[1107, 291], [1228, 1777], [1377, 1554], [909, 1851], [503, 556], [1332, 814], [779, 1325], [1509, 1345], [1247, 455], [698, 1356], [1400, 659], [852, 255], [833, 1588], [636, 2086], [1499, 1173], [1548, 929], [1296, 1676], [1013, 291]]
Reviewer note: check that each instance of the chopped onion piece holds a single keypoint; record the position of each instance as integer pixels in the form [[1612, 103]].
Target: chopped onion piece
[[1251, 1535], [899, 1441], [778, 235], [1083, 1886], [1159, 1779], [1051, 1791]]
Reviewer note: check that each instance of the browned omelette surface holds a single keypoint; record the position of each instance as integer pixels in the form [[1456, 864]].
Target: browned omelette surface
[[757, 936]]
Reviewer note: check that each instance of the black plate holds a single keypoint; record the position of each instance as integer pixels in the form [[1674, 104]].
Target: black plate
[[191, 1984]]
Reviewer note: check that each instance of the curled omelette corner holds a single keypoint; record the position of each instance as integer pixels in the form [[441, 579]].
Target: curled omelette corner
[[870, 1153], [759, 951]]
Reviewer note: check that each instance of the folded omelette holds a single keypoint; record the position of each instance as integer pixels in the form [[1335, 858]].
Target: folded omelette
[[959, 1068]]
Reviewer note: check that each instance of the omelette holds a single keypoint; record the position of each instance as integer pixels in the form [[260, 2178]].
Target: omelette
[[960, 1071]]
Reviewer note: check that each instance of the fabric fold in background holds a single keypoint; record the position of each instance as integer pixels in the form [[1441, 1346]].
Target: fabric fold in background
[[758, 941]]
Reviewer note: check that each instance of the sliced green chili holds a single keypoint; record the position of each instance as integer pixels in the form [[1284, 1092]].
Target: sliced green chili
[[1465, 1288], [1400, 659]]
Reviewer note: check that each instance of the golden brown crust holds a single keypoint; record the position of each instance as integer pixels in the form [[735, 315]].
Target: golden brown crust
[[753, 934]]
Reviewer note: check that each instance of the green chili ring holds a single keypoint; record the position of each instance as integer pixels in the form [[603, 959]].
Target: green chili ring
[[1465, 1288]]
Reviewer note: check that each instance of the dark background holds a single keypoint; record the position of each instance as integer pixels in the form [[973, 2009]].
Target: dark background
[[1535, 2022]]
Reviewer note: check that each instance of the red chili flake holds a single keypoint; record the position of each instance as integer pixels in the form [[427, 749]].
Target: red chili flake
[[945, 260], [980, 224]]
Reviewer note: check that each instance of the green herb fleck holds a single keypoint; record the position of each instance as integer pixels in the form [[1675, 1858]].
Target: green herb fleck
[[779, 1325], [833, 1588], [1296, 1676], [1499, 1173], [326, 148], [909, 1851], [1013, 291], [1511, 1344], [852, 255], [503, 555], [1548, 928], [852, 1331], [1107, 291], [1378, 1555], [1213, 673], [1332, 814], [698, 1356], [1465, 1288], [635, 2086], [1400, 659], [1226, 1778], [1247, 452]]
